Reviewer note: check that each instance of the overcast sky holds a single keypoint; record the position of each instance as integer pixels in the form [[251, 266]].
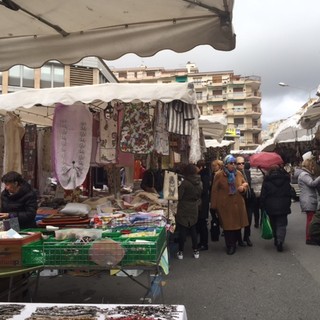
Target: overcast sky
[[277, 40]]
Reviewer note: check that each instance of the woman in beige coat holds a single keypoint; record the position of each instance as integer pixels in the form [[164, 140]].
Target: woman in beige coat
[[227, 198]]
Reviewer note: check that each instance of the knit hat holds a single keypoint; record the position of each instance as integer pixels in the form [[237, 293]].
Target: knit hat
[[307, 155], [229, 158]]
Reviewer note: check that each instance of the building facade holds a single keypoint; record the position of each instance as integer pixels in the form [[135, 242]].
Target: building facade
[[238, 97]]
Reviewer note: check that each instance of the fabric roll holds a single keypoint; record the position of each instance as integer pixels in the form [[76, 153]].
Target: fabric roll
[[72, 144]]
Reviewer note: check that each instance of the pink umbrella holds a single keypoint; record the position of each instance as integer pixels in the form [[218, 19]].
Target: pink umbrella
[[265, 160]]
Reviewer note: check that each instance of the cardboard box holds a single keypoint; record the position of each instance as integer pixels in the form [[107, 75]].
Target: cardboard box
[[11, 249]]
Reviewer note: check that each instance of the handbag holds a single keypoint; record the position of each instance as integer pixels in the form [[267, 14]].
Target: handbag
[[266, 230], [215, 227]]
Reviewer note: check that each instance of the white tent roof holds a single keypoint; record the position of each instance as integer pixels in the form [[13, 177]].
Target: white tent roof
[[213, 126], [35, 31], [216, 144], [37, 105]]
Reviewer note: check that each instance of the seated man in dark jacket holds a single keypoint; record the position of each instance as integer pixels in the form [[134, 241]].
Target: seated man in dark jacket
[[18, 199]]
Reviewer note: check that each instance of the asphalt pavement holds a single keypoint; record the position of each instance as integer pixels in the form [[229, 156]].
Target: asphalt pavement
[[256, 283]]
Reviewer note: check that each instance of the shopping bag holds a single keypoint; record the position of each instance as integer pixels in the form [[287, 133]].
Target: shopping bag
[[266, 230], [215, 227], [170, 185]]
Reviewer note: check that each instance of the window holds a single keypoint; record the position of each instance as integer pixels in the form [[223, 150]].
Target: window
[[199, 95], [238, 122], [21, 76], [52, 75]]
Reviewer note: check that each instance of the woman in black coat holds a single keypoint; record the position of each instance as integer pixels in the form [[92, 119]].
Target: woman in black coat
[[275, 199], [18, 199]]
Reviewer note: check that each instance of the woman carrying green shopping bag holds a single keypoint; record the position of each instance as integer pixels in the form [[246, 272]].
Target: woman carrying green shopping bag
[[276, 202]]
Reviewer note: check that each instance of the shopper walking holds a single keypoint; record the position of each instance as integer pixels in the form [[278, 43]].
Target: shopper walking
[[202, 224], [275, 200], [189, 191], [308, 185], [228, 189], [249, 198]]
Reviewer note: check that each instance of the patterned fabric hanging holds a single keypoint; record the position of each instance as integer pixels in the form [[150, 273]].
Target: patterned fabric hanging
[[180, 115], [161, 137], [30, 154], [107, 144], [1, 147], [137, 129], [72, 143], [13, 134]]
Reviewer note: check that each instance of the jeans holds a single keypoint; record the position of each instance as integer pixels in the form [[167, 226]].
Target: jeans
[[183, 235]]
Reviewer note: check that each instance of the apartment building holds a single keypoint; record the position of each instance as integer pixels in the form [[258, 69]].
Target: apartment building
[[54, 74], [223, 92]]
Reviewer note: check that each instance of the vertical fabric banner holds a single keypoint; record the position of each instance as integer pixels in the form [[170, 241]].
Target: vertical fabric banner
[[170, 185]]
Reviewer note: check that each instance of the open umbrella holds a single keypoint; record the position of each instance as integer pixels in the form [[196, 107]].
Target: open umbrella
[[265, 160]]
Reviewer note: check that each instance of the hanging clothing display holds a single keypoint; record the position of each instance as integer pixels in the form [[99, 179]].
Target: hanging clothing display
[[107, 144], [95, 138], [1, 147], [180, 115], [72, 144], [195, 148], [124, 158], [161, 136], [137, 129], [30, 154], [44, 164], [13, 134]]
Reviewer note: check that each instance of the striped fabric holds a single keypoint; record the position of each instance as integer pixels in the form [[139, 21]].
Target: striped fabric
[[180, 115]]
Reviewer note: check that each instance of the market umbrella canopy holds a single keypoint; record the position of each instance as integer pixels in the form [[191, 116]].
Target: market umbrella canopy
[[265, 160], [35, 31]]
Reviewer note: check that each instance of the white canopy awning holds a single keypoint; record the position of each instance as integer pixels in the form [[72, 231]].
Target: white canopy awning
[[213, 143], [37, 105], [35, 31], [213, 126]]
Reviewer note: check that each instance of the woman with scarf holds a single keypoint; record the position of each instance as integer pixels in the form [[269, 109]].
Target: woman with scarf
[[227, 199]]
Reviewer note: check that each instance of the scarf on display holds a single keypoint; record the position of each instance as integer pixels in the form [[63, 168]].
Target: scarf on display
[[72, 144], [231, 176]]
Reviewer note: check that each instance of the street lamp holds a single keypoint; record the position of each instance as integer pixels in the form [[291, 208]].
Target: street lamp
[[283, 84]]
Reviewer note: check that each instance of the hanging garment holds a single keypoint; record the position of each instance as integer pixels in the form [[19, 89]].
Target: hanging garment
[[72, 144], [195, 148], [1, 147], [161, 137], [30, 154], [180, 115], [44, 165], [137, 129], [95, 138], [107, 144], [13, 134], [124, 159]]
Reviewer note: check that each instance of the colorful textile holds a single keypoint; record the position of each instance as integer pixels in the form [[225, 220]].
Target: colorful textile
[[137, 129], [107, 144], [72, 144], [13, 134]]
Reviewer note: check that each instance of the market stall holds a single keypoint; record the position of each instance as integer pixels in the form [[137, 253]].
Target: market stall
[[133, 230]]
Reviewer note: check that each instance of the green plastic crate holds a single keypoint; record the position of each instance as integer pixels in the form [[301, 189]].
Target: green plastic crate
[[67, 253]]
